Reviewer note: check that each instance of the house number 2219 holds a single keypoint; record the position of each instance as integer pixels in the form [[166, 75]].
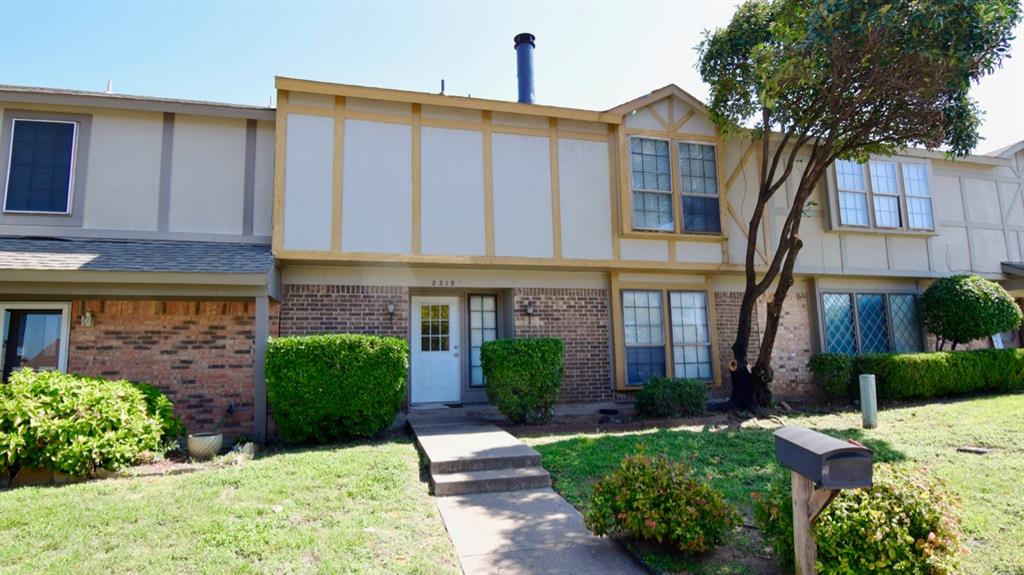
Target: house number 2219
[[442, 283]]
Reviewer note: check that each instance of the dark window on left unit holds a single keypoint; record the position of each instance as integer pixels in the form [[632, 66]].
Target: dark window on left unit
[[41, 168]]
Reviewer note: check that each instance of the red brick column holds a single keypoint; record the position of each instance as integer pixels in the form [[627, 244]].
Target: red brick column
[[580, 318], [200, 353]]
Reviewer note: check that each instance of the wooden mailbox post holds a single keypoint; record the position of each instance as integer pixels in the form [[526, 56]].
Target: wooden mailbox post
[[820, 466]]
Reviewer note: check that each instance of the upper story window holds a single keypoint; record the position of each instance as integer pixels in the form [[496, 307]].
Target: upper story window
[[654, 187], [40, 172], [884, 194]]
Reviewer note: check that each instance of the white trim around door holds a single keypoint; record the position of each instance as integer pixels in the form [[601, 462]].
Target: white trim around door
[[436, 370], [65, 327]]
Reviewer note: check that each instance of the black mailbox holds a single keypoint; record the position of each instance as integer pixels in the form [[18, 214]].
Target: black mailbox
[[829, 462]]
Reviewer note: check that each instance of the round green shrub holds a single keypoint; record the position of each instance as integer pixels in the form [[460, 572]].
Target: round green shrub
[[655, 499], [966, 307], [523, 376], [327, 387], [833, 373], [671, 397], [158, 406], [905, 523], [74, 424]]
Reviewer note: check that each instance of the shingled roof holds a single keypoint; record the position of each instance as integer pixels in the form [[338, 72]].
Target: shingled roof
[[43, 254]]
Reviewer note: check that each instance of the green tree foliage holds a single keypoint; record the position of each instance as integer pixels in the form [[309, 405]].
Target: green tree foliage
[[523, 376], [824, 80], [327, 387], [966, 307]]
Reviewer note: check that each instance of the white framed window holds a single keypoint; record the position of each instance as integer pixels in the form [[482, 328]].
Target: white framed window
[[853, 193], [698, 186], [483, 326], [651, 177], [919, 197], [34, 334], [644, 335], [41, 166], [885, 193], [691, 336]]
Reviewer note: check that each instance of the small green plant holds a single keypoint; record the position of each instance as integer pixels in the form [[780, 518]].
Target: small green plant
[[671, 397], [327, 387], [965, 307], [158, 406], [76, 424], [832, 372], [523, 376], [658, 500], [906, 523]]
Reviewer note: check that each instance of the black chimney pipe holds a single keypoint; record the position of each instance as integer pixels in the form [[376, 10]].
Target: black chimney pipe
[[525, 43]]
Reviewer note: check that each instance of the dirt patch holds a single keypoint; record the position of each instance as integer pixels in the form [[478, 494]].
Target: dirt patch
[[610, 424]]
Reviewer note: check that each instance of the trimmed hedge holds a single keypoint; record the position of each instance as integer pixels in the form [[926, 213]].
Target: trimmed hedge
[[832, 372], [905, 523], [523, 376], [78, 425], [659, 500], [340, 386], [671, 397], [923, 375]]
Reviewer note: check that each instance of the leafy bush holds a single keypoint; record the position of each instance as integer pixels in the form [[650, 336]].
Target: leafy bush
[[936, 374], [832, 372], [161, 408], [75, 424], [523, 376], [658, 500], [906, 523], [966, 307], [328, 387], [671, 397]]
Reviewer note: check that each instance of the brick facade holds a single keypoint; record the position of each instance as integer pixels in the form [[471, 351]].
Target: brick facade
[[580, 318], [200, 353], [312, 309], [727, 312]]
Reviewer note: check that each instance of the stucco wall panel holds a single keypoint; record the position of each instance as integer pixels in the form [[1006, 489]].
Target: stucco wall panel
[[649, 250], [950, 252], [522, 196], [583, 197], [452, 213], [699, 252], [982, 201], [263, 192], [866, 252], [377, 210], [989, 250], [308, 177], [909, 254], [207, 175], [946, 198]]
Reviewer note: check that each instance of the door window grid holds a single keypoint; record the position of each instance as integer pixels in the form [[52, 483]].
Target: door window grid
[[652, 184], [877, 323], [698, 178], [691, 342], [483, 326], [434, 327]]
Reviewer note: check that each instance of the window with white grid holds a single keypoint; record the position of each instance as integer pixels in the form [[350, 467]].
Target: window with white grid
[[885, 190], [651, 176], [483, 326], [698, 175], [691, 340], [853, 194], [919, 200], [644, 335]]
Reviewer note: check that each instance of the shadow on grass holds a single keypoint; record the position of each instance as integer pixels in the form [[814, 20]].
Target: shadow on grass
[[736, 461]]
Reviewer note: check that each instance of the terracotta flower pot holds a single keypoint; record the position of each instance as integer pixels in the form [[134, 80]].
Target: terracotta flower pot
[[204, 445]]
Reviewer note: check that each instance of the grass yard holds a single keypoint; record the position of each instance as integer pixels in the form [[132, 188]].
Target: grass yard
[[342, 509], [738, 461]]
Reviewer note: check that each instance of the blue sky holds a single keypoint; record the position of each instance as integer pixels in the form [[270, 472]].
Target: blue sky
[[588, 55]]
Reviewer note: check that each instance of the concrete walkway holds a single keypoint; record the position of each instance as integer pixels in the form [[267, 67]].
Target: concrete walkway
[[501, 514]]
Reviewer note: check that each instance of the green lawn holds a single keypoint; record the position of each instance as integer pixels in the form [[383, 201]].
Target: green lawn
[[738, 461], [343, 509]]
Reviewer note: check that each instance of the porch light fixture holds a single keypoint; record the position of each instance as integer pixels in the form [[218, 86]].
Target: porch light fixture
[[86, 319], [391, 311], [529, 309]]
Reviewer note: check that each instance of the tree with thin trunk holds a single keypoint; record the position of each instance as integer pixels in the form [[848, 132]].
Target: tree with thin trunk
[[813, 81]]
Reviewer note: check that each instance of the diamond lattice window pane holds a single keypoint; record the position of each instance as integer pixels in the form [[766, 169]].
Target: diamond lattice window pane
[[839, 323], [871, 323], [906, 332]]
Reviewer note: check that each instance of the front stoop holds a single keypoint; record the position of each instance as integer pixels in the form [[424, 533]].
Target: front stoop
[[476, 457]]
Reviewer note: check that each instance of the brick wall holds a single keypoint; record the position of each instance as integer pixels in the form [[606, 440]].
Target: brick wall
[[581, 319], [200, 353], [312, 309], [727, 312]]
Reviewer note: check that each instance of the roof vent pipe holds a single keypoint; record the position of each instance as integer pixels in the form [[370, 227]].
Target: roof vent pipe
[[525, 43]]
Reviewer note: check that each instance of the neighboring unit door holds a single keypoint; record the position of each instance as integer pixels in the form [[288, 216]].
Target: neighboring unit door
[[435, 350]]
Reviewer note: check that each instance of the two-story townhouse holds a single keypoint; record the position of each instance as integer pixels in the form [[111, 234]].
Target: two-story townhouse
[[162, 240], [135, 243]]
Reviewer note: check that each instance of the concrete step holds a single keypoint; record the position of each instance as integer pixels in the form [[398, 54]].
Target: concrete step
[[490, 480], [504, 459], [461, 448]]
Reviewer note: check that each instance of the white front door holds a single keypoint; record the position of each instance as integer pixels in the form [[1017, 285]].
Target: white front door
[[435, 349]]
